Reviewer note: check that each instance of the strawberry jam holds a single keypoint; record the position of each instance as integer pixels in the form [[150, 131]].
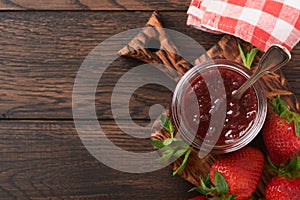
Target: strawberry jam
[[240, 113]]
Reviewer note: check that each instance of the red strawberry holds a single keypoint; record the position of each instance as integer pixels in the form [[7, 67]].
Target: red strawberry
[[242, 171], [235, 175], [199, 198], [287, 184], [281, 132], [283, 188]]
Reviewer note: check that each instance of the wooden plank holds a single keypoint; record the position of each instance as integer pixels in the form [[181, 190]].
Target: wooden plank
[[94, 5], [46, 159], [40, 55], [42, 52]]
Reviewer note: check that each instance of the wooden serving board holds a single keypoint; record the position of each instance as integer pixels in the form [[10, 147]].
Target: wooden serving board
[[274, 84]]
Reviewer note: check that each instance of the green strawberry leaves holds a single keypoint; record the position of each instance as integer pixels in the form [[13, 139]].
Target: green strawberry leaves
[[221, 184], [290, 170], [157, 143], [294, 165], [167, 124], [172, 147], [279, 105], [205, 186], [247, 57], [168, 141], [293, 169], [217, 191], [282, 109], [183, 164]]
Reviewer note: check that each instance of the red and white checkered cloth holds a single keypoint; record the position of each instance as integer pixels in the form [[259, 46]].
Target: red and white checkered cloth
[[260, 22]]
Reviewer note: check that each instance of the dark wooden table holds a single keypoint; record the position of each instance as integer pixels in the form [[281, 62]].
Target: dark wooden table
[[42, 45]]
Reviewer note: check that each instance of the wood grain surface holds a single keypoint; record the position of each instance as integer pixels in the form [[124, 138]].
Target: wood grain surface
[[166, 52], [40, 57], [108, 5], [46, 160], [41, 50]]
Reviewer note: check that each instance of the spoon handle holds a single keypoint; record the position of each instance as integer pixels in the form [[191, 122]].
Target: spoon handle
[[274, 58]]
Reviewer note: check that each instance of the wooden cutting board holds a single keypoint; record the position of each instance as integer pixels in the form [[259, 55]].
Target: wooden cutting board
[[274, 84]]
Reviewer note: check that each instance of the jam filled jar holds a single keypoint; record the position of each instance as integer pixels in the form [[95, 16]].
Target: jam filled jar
[[207, 115]]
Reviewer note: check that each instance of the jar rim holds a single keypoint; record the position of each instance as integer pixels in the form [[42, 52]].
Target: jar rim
[[250, 133]]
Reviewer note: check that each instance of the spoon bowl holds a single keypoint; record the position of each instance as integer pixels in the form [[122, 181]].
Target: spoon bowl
[[274, 58]]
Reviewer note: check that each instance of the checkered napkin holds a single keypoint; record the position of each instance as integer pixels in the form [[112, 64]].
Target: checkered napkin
[[260, 22]]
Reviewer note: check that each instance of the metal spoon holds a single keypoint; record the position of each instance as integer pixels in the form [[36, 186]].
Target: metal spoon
[[274, 58]]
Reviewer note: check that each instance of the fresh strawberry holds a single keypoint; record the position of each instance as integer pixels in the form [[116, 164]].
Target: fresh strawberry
[[199, 198], [283, 188], [286, 185], [235, 175], [281, 132]]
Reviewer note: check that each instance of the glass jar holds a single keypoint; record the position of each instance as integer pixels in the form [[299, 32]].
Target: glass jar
[[203, 100]]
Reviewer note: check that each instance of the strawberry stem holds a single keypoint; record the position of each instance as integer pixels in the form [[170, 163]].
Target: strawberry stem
[[172, 147], [282, 109], [290, 170], [217, 191], [247, 57]]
